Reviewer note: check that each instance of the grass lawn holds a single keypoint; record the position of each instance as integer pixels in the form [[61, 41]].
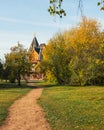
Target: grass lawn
[[74, 108], [7, 96]]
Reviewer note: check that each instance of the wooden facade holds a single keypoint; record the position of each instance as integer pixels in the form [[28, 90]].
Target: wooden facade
[[35, 56]]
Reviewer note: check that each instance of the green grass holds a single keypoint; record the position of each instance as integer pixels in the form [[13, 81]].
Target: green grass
[[74, 108], [8, 94]]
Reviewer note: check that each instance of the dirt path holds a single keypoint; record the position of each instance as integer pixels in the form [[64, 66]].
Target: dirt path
[[26, 114]]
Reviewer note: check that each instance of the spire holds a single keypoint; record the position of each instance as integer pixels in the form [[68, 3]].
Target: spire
[[34, 43], [35, 34]]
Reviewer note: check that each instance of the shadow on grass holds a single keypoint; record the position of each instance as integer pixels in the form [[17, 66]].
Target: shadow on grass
[[35, 84], [31, 84], [41, 84], [14, 85]]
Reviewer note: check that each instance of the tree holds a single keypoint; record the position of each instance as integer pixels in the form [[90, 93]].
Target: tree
[[85, 41], [17, 62], [76, 56], [100, 64], [1, 70], [101, 3], [56, 60], [56, 7]]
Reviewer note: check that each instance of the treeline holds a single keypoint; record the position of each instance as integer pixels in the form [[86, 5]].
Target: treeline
[[76, 56]]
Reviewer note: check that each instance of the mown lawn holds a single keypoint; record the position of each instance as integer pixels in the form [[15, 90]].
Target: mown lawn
[[7, 97], [74, 108]]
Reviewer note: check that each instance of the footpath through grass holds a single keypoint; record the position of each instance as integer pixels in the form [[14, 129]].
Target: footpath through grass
[[7, 96], [74, 108]]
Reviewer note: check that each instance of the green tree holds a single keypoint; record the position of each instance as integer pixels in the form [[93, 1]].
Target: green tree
[[6, 73], [17, 62], [1, 70], [99, 66], [56, 60]]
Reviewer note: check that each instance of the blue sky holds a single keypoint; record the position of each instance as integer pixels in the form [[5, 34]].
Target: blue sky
[[20, 19]]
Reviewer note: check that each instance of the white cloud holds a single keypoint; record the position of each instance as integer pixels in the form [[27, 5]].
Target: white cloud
[[43, 24]]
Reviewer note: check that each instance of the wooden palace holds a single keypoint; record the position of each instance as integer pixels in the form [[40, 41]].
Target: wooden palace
[[35, 57]]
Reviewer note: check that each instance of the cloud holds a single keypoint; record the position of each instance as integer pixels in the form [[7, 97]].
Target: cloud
[[43, 24]]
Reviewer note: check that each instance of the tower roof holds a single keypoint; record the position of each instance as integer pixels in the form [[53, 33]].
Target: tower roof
[[35, 42], [34, 45], [35, 50]]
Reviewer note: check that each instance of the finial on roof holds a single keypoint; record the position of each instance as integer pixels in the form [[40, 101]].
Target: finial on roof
[[35, 34]]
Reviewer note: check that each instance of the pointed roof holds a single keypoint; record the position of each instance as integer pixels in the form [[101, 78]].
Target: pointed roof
[[35, 42], [36, 49], [34, 45], [40, 55]]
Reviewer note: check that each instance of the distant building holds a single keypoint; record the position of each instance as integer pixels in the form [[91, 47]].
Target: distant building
[[35, 51], [35, 56]]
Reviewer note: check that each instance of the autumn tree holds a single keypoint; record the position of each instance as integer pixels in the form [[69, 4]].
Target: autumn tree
[[56, 60], [76, 56], [17, 63], [85, 41]]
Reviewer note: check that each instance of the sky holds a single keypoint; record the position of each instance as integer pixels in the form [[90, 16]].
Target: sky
[[21, 19]]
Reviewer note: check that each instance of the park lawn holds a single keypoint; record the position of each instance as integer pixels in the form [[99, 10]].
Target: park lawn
[[7, 97], [74, 108]]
